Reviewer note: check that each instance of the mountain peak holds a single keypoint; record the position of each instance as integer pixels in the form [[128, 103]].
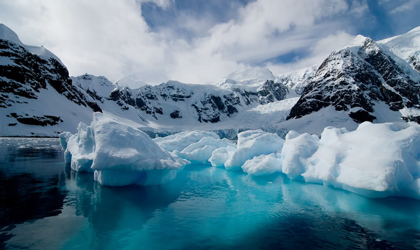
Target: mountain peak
[[358, 41]]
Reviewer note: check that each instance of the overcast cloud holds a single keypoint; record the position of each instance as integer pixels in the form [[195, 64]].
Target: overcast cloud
[[196, 45]]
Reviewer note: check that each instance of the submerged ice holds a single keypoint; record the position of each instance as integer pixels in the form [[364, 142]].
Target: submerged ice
[[375, 160]]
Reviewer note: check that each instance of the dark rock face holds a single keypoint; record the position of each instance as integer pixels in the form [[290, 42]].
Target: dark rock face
[[354, 80], [36, 120], [175, 114], [414, 60], [271, 92], [123, 97], [27, 73]]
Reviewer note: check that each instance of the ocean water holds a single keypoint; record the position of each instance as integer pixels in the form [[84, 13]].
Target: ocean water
[[45, 205]]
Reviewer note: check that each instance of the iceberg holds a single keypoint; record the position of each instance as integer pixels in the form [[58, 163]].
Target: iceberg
[[119, 154], [375, 160]]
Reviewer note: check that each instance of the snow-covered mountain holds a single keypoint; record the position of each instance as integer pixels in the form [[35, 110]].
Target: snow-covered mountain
[[363, 81], [39, 98], [359, 80], [297, 80], [36, 93]]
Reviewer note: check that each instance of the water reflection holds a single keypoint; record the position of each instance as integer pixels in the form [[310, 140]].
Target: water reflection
[[29, 188], [113, 211], [45, 205]]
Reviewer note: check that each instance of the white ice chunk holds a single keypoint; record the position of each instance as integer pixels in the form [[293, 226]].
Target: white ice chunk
[[296, 150], [64, 138], [253, 143], [221, 155], [263, 165], [202, 150], [182, 140], [80, 149], [120, 154]]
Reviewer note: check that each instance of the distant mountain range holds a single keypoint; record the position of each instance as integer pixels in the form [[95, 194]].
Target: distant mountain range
[[365, 81]]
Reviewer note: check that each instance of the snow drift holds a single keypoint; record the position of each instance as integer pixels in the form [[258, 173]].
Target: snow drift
[[119, 154]]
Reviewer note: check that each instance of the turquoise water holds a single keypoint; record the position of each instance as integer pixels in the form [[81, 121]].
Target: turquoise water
[[45, 205]]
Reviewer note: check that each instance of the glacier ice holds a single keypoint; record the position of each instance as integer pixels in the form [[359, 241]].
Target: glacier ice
[[120, 154]]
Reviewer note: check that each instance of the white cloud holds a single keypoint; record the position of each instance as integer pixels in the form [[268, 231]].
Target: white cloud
[[111, 38], [359, 8], [318, 52], [406, 6]]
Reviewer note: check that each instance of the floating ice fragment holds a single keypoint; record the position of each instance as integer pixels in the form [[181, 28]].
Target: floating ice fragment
[[263, 165], [253, 143]]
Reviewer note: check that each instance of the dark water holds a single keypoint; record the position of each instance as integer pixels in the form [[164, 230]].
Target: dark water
[[45, 205]]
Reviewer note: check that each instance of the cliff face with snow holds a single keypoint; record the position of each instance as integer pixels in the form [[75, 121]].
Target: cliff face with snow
[[35, 89], [356, 79]]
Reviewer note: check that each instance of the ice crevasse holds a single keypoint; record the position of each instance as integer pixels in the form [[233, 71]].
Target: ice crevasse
[[119, 154]]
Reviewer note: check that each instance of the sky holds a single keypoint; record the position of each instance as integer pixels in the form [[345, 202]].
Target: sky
[[200, 41]]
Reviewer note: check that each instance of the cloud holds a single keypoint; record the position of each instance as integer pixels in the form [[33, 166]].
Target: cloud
[[318, 52], [406, 6], [359, 8], [112, 38]]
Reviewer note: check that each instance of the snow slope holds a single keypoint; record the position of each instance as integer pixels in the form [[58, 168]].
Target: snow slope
[[297, 80], [7, 34], [247, 79], [405, 46]]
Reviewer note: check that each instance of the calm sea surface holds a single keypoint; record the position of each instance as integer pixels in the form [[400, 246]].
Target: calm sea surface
[[45, 205]]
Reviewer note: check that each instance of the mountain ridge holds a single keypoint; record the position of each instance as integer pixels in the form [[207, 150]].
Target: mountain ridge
[[364, 82]]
